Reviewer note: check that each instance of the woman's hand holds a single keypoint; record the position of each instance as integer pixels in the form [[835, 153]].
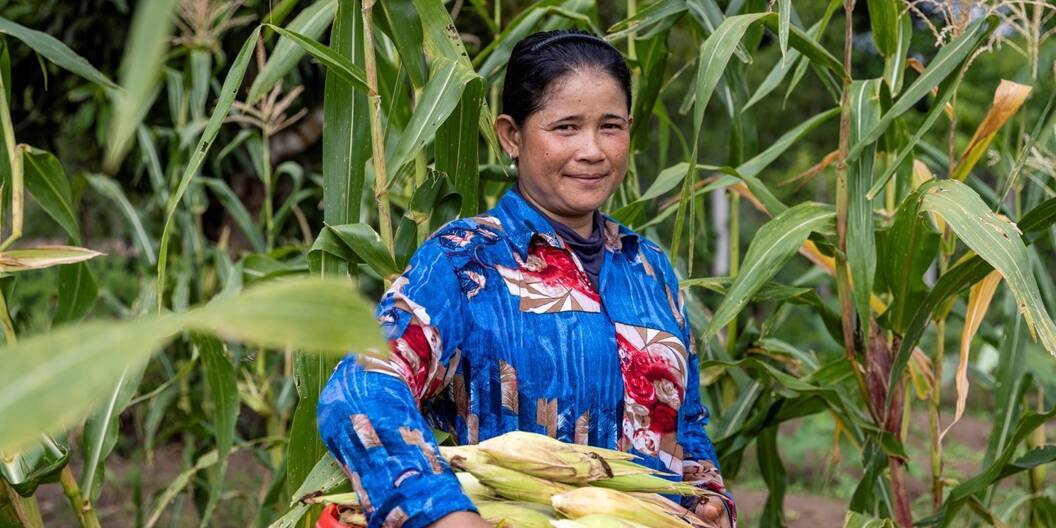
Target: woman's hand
[[461, 519], [714, 512]]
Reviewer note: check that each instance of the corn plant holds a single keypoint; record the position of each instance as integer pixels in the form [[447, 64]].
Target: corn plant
[[917, 225]]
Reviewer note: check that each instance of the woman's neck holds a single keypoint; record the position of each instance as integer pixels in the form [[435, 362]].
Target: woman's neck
[[582, 225]]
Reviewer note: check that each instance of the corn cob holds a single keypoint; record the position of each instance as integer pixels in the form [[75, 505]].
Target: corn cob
[[671, 507], [622, 468], [516, 514], [649, 484], [553, 443], [466, 452], [473, 488], [508, 483], [545, 461], [596, 520], [581, 502]]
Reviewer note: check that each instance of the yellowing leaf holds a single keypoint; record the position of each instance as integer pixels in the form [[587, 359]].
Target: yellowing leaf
[[979, 298], [1008, 99], [41, 257]]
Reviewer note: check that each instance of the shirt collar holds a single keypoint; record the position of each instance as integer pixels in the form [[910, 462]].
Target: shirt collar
[[522, 222]]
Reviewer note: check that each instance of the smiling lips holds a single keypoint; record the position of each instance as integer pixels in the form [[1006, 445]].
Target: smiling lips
[[588, 176]]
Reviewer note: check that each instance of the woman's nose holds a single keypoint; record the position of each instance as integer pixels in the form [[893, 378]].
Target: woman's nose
[[590, 149]]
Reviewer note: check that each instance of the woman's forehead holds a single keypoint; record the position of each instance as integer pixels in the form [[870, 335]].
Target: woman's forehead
[[584, 92]]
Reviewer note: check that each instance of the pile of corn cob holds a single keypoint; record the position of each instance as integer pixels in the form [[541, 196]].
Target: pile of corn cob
[[527, 480]]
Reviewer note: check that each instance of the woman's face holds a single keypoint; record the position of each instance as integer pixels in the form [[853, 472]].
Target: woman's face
[[572, 152]]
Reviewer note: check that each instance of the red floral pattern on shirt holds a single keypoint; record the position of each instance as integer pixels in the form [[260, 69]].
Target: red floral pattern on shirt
[[550, 280], [653, 364]]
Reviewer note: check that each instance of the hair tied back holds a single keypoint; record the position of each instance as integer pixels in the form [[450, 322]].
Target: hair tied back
[[569, 36]]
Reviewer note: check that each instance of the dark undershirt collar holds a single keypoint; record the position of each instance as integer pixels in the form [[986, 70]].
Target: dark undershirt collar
[[591, 251]]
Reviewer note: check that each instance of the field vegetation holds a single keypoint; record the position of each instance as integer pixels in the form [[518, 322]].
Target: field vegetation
[[201, 198]]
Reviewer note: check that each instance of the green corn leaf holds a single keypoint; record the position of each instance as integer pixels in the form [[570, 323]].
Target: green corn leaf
[[1034, 224], [145, 51], [773, 473], [861, 243], [55, 51], [311, 22], [998, 242], [51, 379], [227, 96], [946, 63], [334, 62], [657, 14], [493, 59], [652, 61], [784, 21], [238, 212], [356, 243], [223, 388], [441, 42], [39, 463], [884, 22], [1012, 384], [101, 429], [345, 120], [406, 33], [858, 520], [773, 245], [109, 188], [178, 484], [907, 249], [46, 181], [1003, 466], [809, 47], [781, 70], [456, 147], [938, 106], [77, 293], [441, 96], [895, 63]]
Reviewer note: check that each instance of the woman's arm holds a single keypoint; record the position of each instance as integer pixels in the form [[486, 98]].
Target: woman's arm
[[369, 414], [700, 465]]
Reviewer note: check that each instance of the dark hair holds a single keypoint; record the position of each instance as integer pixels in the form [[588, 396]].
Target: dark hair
[[542, 58]]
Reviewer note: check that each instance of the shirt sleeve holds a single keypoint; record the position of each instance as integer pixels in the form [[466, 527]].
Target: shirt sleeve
[[369, 415], [700, 464]]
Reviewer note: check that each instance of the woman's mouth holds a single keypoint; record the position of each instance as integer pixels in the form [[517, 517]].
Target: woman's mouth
[[588, 177]]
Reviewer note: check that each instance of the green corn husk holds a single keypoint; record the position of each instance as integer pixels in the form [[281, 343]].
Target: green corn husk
[[582, 502], [543, 461], [649, 484], [473, 488], [596, 520], [508, 483], [349, 499], [516, 514], [622, 468]]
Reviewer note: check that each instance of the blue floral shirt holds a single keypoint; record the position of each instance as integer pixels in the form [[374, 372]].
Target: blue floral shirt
[[494, 327]]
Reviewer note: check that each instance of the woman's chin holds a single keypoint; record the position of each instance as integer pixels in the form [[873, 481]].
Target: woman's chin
[[587, 195]]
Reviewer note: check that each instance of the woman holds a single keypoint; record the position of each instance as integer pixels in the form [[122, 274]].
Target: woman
[[540, 315]]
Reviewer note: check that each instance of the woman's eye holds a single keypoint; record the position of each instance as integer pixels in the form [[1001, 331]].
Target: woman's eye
[[565, 127]]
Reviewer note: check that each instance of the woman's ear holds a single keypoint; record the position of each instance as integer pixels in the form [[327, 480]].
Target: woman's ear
[[509, 135]]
